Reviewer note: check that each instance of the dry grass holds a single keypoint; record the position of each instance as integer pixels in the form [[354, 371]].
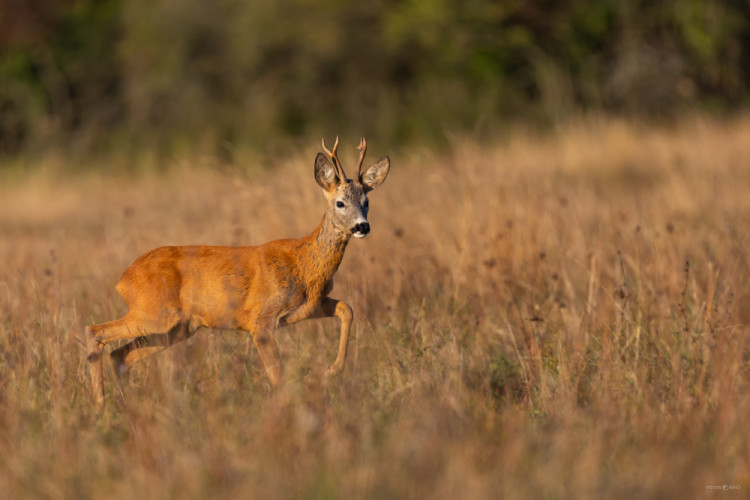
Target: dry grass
[[560, 317]]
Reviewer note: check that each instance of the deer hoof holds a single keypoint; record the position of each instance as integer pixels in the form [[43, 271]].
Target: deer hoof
[[334, 370]]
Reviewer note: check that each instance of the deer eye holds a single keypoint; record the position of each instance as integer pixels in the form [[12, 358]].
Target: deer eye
[[340, 204]]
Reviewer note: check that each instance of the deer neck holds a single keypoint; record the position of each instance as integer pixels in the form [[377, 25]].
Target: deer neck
[[325, 251]]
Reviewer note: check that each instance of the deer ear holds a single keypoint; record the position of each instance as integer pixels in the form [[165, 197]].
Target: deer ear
[[376, 173], [325, 173]]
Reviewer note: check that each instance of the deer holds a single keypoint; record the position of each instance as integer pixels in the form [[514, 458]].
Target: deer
[[173, 291]]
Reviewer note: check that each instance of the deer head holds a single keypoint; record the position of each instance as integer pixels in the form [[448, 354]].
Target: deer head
[[347, 198]]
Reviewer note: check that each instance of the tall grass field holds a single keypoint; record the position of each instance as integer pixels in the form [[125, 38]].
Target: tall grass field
[[563, 315]]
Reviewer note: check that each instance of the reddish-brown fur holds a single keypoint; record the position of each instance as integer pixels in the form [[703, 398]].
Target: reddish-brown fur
[[173, 291]]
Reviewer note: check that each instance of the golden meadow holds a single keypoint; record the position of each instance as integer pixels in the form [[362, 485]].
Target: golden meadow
[[560, 315]]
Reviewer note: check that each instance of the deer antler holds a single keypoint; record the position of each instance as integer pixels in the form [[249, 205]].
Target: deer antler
[[334, 158], [362, 150]]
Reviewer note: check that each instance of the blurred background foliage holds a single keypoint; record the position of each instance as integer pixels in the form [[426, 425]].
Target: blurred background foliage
[[86, 77]]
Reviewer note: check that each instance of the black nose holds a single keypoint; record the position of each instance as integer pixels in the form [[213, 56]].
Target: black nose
[[362, 227]]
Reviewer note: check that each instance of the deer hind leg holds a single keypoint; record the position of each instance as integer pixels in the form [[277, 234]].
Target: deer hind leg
[[124, 357], [97, 336]]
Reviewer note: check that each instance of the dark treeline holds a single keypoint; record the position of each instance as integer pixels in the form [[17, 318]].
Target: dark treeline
[[86, 76]]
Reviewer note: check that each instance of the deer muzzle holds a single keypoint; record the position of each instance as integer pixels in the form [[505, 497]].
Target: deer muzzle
[[361, 229]]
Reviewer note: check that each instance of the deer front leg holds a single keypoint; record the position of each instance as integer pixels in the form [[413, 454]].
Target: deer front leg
[[263, 336], [332, 307], [328, 308]]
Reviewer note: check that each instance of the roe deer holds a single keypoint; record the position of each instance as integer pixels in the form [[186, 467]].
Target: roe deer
[[171, 291]]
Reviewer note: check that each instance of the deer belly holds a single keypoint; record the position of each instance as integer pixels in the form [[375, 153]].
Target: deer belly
[[215, 304]]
